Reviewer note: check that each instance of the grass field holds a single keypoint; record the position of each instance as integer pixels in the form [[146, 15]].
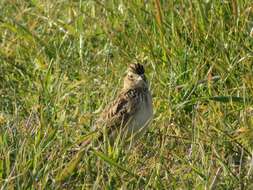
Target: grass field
[[61, 62]]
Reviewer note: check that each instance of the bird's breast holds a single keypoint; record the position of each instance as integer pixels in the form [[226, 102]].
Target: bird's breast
[[142, 116]]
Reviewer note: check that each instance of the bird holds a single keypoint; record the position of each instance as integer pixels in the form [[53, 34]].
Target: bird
[[130, 113], [127, 116]]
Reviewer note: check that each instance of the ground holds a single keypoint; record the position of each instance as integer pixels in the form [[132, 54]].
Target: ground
[[61, 62]]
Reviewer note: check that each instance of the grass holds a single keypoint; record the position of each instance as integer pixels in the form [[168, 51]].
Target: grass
[[62, 61]]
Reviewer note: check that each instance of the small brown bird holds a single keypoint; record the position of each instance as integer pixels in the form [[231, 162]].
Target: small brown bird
[[129, 114]]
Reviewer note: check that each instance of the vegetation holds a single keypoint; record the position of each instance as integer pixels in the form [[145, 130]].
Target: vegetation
[[62, 61]]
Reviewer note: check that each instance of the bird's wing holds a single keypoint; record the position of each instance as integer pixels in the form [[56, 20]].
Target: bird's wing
[[120, 111]]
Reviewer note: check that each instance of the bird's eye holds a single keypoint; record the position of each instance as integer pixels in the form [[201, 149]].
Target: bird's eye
[[131, 76]]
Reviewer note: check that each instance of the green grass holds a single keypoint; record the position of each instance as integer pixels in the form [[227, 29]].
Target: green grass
[[62, 61]]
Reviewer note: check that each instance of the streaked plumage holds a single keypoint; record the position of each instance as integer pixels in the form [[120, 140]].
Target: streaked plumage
[[132, 109]]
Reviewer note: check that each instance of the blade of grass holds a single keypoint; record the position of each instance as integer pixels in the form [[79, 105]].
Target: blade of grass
[[115, 164]]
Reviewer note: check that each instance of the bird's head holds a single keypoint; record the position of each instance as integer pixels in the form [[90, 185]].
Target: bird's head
[[135, 77]]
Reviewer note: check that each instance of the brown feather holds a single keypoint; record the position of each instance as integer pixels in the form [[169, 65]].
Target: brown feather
[[118, 113]]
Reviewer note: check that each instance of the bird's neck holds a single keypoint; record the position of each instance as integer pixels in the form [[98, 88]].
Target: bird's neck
[[141, 89]]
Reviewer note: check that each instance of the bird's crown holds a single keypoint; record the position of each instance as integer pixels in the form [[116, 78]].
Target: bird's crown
[[137, 69]]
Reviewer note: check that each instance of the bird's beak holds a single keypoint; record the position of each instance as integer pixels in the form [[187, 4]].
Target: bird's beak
[[143, 77], [140, 78]]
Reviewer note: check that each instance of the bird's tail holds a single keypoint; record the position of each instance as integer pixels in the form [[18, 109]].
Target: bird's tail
[[87, 141]]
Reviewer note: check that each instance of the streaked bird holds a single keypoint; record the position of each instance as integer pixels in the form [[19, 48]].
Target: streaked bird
[[132, 110]]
